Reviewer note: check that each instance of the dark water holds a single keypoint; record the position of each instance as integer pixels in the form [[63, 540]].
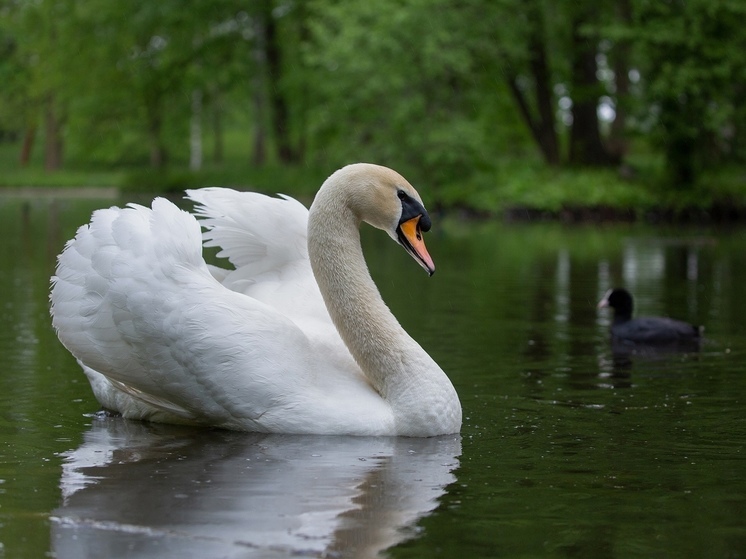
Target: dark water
[[566, 451]]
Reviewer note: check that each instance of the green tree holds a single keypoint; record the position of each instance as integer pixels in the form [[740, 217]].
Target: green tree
[[15, 114], [530, 77], [152, 57], [32, 65], [549, 53], [445, 90], [116, 73], [278, 47], [694, 75], [412, 84], [587, 147]]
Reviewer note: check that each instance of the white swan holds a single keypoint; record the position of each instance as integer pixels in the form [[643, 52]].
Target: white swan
[[296, 339]]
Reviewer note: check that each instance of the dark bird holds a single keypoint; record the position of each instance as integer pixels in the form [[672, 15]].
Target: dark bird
[[646, 330]]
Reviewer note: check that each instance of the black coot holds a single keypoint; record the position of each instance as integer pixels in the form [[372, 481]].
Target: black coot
[[647, 330]]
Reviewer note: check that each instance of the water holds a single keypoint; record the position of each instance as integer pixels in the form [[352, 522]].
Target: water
[[566, 451]]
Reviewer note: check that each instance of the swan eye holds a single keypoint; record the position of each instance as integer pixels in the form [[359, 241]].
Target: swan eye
[[402, 195]]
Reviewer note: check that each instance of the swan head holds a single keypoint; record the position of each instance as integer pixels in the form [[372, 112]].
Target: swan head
[[413, 221], [384, 199]]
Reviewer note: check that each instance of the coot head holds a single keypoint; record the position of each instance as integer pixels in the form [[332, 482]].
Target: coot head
[[620, 300]]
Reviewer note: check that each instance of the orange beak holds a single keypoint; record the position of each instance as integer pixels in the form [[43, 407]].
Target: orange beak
[[410, 237]]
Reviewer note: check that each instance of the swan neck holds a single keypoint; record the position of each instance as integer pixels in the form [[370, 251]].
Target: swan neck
[[420, 394], [368, 328]]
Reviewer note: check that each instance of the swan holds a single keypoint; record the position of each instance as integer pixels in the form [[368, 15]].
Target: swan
[[295, 339]]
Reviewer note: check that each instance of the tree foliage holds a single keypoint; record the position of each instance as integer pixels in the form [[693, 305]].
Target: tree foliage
[[695, 77], [445, 90]]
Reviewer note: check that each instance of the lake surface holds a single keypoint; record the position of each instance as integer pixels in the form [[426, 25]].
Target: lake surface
[[567, 450]]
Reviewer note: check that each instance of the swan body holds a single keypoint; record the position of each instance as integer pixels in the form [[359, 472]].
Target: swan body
[[295, 339]]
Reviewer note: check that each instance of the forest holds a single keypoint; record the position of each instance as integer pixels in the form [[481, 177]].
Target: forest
[[633, 105]]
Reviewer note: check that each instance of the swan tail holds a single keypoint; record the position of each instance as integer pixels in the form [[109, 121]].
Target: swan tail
[[158, 337], [252, 230], [133, 403], [123, 261]]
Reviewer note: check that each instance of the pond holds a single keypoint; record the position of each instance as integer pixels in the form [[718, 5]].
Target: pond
[[567, 450]]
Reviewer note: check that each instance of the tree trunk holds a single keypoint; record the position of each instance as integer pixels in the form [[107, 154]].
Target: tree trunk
[[280, 110], [195, 132], [617, 143], [52, 137], [259, 155], [216, 121], [546, 131], [541, 120], [586, 146], [158, 155], [681, 149], [680, 157], [27, 147]]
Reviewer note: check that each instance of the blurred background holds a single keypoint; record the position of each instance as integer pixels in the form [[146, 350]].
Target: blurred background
[[628, 108]]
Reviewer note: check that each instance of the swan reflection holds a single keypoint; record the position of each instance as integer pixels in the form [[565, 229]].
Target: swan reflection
[[157, 490]]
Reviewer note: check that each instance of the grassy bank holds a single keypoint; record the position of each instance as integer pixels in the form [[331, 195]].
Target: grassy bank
[[515, 188]]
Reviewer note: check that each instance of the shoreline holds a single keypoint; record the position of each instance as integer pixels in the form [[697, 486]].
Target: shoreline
[[75, 192], [716, 214]]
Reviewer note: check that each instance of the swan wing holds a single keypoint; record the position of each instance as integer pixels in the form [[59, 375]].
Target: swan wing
[[253, 231], [265, 239], [134, 301]]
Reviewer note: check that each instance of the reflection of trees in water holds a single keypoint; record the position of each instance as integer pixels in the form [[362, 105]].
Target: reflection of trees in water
[[34, 230], [563, 328]]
